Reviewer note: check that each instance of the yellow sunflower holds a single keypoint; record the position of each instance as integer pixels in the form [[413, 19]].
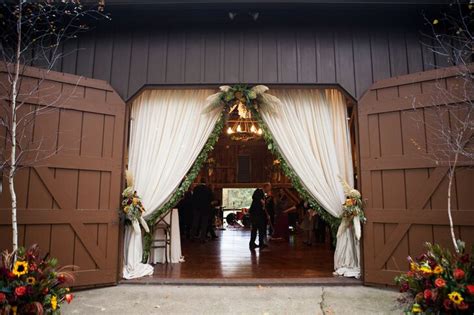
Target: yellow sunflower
[[455, 297], [20, 268], [413, 266], [425, 269], [54, 302], [31, 280]]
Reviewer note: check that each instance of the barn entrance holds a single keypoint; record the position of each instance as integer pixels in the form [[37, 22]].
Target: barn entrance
[[233, 170], [240, 156]]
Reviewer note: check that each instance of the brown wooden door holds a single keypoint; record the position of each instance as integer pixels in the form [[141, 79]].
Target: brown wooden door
[[69, 199], [405, 189]]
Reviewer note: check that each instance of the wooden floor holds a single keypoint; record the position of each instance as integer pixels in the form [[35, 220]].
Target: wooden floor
[[230, 258]]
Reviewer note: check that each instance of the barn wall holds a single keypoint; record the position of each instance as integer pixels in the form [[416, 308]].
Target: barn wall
[[353, 50]]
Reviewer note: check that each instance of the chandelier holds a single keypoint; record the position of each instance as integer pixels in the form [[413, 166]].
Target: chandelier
[[243, 128]]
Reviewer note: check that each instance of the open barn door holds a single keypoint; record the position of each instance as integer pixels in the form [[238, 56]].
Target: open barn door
[[405, 188], [69, 194]]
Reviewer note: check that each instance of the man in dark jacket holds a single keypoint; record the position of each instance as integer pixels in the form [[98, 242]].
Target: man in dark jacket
[[258, 217], [269, 206], [202, 198]]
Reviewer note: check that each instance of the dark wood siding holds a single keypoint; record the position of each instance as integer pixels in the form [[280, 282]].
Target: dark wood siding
[[354, 53]]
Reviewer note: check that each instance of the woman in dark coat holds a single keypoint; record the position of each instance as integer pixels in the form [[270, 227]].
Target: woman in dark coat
[[258, 218]]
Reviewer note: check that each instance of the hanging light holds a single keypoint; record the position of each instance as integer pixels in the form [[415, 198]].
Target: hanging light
[[241, 126]]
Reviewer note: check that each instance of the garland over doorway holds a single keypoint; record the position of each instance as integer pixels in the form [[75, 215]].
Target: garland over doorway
[[254, 99]]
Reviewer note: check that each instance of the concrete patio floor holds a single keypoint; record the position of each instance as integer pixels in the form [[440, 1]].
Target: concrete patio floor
[[191, 299]]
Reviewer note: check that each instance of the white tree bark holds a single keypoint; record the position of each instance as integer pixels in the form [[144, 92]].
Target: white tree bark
[[13, 161], [451, 175]]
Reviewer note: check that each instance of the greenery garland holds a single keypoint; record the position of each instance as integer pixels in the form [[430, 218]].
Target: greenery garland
[[254, 99]]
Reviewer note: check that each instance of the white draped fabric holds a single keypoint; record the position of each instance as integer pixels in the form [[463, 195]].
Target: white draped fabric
[[168, 131], [311, 130]]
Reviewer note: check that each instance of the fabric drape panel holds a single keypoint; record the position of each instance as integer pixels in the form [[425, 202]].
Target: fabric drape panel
[[303, 128], [168, 131], [167, 134], [311, 130]]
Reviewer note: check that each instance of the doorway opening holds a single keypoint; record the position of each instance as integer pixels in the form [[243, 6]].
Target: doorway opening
[[233, 170], [238, 165]]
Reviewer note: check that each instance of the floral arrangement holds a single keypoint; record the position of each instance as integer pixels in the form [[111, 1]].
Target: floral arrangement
[[352, 211], [31, 284], [133, 209], [242, 98], [353, 207], [211, 164], [439, 282]]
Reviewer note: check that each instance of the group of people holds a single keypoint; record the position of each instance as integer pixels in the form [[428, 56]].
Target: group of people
[[197, 212], [270, 215]]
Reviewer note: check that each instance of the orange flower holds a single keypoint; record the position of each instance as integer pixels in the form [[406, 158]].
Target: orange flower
[[438, 269], [440, 283], [348, 202]]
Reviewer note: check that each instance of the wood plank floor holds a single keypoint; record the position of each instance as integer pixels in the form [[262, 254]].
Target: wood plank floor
[[230, 258]]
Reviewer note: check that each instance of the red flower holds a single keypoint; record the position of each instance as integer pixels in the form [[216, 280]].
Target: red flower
[[404, 287], [427, 294], [463, 306], [3, 297], [33, 267], [447, 304], [470, 289], [410, 273], [11, 276], [45, 291], [464, 258], [20, 291], [440, 283], [458, 274], [61, 278], [69, 298]]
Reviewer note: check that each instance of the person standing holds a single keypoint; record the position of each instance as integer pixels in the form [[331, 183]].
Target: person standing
[[308, 225], [185, 210], [258, 219], [269, 206], [282, 205], [202, 198]]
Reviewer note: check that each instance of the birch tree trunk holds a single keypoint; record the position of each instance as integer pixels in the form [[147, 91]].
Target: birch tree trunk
[[451, 175], [13, 161]]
